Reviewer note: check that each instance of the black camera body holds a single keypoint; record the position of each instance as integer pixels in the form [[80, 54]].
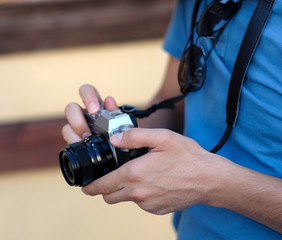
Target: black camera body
[[93, 157]]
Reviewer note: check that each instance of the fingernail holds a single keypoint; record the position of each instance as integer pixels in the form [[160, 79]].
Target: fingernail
[[86, 134], [84, 191], [116, 138], [93, 107]]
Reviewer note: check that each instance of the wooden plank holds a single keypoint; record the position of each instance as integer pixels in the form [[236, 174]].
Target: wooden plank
[[31, 144], [31, 25]]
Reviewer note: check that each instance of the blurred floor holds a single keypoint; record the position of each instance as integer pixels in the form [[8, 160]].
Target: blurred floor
[[38, 204]]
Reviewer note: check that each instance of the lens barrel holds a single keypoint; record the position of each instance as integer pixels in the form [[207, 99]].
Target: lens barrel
[[85, 161]]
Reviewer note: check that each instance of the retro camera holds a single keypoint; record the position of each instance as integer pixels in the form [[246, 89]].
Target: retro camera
[[93, 157]]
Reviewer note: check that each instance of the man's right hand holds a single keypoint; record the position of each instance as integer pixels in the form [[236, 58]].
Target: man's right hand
[[77, 128]]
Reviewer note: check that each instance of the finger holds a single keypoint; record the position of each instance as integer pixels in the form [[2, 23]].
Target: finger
[[136, 194], [116, 197], [105, 185], [69, 135], [110, 104], [76, 119], [141, 137], [90, 98]]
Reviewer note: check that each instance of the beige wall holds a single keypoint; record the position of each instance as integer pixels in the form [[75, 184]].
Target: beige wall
[[39, 204], [37, 85]]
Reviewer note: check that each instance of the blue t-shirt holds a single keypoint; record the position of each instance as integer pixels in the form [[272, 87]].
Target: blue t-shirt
[[256, 139]]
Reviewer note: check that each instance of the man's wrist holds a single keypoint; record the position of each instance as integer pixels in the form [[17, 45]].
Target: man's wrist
[[221, 181], [247, 192]]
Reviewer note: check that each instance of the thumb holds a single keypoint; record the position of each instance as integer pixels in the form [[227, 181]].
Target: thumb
[[141, 137]]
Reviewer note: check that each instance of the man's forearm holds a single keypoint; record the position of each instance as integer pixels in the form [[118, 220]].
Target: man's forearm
[[252, 194]]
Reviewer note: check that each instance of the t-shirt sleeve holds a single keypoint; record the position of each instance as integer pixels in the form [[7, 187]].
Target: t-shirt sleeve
[[178, 31]]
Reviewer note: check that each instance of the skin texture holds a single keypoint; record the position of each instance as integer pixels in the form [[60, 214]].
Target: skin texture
[[177, 173]]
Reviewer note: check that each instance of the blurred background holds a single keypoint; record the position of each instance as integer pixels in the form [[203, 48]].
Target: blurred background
[[48, 49]]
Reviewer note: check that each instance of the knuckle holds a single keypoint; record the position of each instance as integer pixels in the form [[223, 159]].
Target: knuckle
[[81, 127], [165, 136], [138, 195], [99, 188], [129, 136], [192, 143], [132, 173]]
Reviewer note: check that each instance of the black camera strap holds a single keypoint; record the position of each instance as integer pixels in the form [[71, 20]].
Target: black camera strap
[[165, 104], [246, 51]]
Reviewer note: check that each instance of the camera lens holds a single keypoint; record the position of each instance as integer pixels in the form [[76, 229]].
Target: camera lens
[[83, 162], [68, 165]]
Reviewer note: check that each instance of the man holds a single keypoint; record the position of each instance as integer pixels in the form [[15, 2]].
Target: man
[[234, 194]]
